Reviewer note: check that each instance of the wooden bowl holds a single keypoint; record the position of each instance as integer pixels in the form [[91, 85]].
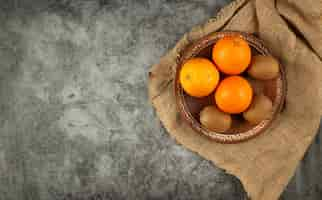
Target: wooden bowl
[[241, 130]]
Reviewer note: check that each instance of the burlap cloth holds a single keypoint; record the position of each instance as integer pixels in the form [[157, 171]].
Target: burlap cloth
[[292, 30]]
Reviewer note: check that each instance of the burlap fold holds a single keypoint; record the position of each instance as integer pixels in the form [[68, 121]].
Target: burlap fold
[[292, 30]]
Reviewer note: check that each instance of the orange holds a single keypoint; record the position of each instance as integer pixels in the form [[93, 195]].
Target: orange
[[231, 54], [199, 77], [233, 95]]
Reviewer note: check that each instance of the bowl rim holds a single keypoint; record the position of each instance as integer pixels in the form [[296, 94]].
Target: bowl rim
[[193, 50]]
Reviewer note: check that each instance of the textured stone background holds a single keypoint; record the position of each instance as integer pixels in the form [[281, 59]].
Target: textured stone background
[[75, 122]]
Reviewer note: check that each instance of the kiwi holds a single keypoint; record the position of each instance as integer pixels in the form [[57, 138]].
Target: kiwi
[[260, 109], [263, 67], [257, 85], [214, 119]]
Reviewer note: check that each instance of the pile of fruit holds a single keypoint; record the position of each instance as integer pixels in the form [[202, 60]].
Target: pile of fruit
[[224, 78]]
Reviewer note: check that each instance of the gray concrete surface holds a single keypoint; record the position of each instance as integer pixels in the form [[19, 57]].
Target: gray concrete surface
[[75, 122]]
